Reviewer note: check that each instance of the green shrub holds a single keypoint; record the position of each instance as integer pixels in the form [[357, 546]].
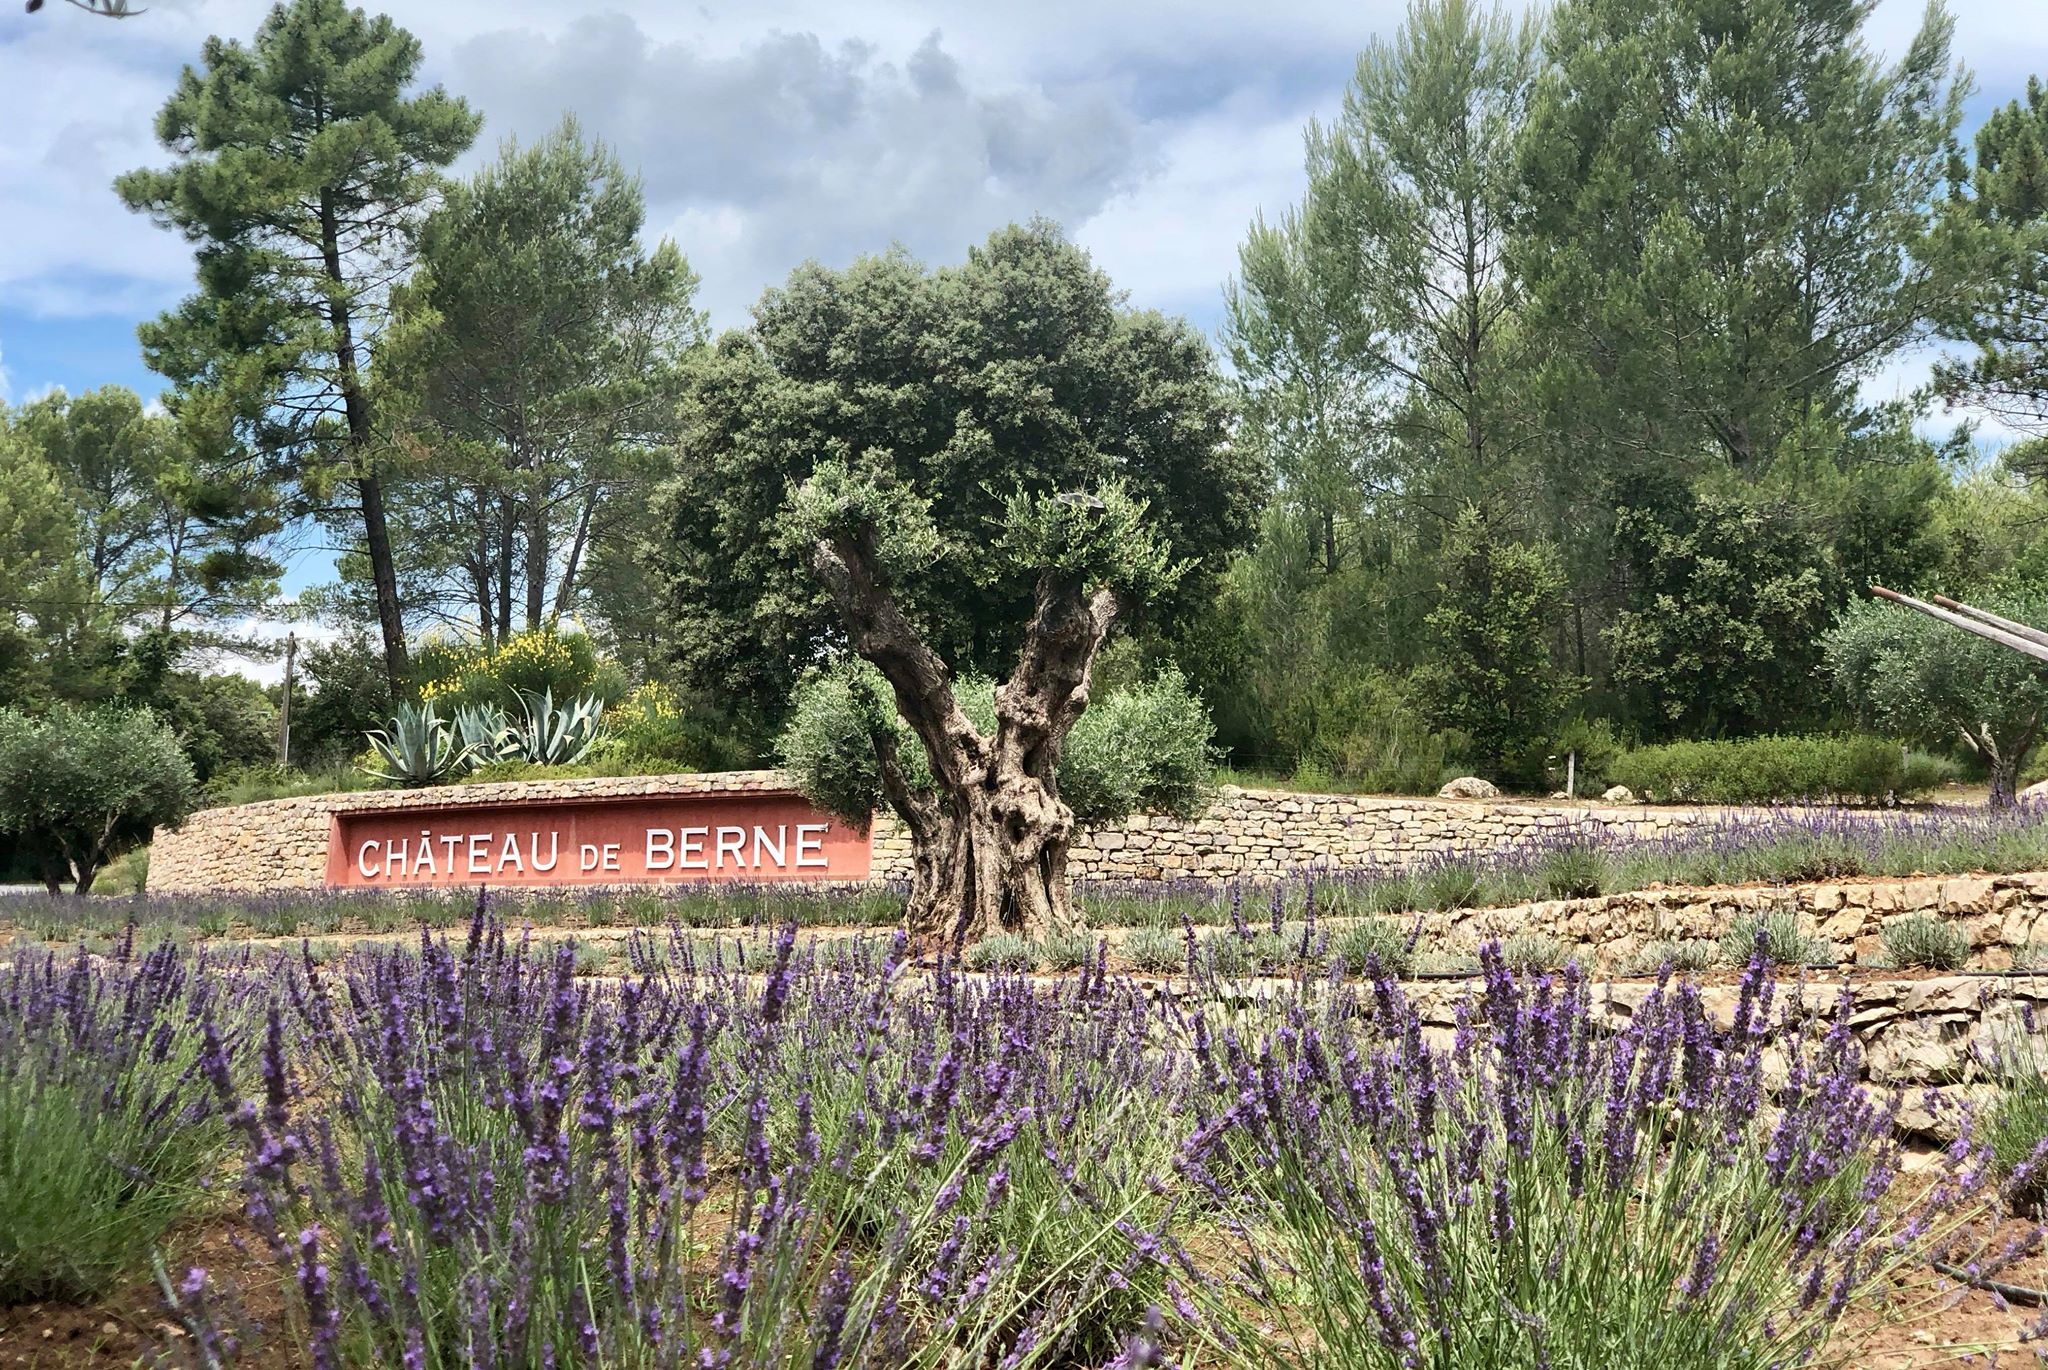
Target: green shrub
[[1533, 951], [1452, 885], [107, 1133], [1357, 945], [78, 787], [1786, 942], [1688, 956], [539, 661], [1067, 950], [1002, 951], [655, 730], [2016, 1123], [1158, 950], [1225, 953], [1772, 770], [1575, 871], [1923, 942], [1141, 748]]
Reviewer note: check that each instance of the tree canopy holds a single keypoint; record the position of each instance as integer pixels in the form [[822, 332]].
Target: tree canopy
[[1020, 369]]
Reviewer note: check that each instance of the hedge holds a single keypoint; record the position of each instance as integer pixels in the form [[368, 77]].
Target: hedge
[[1778, 770]]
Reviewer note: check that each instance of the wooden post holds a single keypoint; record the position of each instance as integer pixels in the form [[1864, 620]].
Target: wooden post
[[284, 708], [2026, 646], [1571, 775]]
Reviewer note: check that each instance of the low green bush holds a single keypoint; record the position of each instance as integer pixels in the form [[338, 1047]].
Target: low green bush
[[1687, 956], [1158, 950], [1067, 950], [1923, 942], [2016, 1123], [1452, 885], [1002, 951], [1359, 945], [1786, 941], [1533, 951], [1772, 770], [1575, 871]]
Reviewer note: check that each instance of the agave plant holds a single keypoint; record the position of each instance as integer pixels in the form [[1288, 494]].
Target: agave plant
[[418, 749], [550, 736], [487, 733]]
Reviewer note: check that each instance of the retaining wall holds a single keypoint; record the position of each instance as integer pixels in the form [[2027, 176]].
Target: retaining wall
[[282, 843], [2001, 915]]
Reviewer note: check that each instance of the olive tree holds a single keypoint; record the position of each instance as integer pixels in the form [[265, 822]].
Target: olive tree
[[976, 471], [78, 787], [1921, 678], [1144, 747]]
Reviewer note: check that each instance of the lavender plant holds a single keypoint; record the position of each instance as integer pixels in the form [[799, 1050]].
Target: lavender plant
[[107, 1132], [469, 1157], [1541, 1193]]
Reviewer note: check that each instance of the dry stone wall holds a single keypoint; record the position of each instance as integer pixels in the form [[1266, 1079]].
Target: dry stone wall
[[282, 843], [1259, 833]]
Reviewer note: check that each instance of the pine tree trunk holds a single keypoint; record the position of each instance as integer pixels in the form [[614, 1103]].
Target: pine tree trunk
[[355, 404]]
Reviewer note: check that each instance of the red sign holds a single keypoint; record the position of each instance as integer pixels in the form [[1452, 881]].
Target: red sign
[[624, 840]]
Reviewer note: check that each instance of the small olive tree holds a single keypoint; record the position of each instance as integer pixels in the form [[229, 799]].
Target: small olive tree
[[1924, 679], [78, 787], [1000, 775]]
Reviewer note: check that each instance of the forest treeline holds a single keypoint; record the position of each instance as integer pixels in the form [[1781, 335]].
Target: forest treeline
[[1564, 410]]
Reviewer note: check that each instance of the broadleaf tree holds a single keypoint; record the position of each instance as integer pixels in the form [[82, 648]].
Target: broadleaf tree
[[1923, 679], [303, 161], [978, 470], [78, 787]]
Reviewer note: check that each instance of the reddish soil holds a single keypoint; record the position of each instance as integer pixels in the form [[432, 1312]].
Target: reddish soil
[[130, 1325], [1925, 1318]]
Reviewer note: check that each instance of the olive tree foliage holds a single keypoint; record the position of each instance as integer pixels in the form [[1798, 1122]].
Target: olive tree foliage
[[1924, 679], [78, 787], [1144, 748], [1019, 367]]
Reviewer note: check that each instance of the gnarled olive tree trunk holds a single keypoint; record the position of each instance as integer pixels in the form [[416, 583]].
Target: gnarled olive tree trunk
[[989, 846]]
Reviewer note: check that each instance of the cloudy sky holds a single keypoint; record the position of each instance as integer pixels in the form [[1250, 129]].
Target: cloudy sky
[[767, 133]]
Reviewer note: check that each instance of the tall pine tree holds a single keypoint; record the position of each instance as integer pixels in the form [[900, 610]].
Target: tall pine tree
[[302, 165]]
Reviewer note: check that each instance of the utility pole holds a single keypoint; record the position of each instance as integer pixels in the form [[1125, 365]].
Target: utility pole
[[284, 708]]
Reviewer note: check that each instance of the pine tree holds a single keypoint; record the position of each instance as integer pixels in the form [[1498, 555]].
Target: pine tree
[[2000, 227], [301, 166]]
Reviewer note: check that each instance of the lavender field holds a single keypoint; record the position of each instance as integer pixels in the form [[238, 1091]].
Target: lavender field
[[457, 1152]]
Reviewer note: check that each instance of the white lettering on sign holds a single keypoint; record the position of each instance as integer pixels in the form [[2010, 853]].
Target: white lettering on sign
[[645, 845]]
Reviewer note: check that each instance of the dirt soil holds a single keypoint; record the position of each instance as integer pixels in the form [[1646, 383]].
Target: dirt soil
[[1926, 1318]]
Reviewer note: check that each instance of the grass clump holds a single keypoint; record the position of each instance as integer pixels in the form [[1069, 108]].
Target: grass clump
[[1002, 951], [1453, 885], [1783, 939], [1687, 956], [1158, 950], [1575, 871], [1069, 950], [108, 1124], [1923, 942], [2016, 1123], [1533, 951], [1359, 945]]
